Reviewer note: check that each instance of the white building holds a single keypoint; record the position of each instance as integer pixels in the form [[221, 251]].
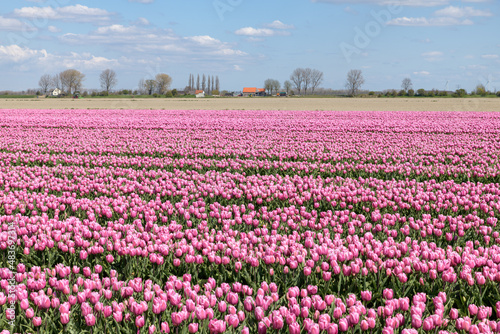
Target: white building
[[56, 92]]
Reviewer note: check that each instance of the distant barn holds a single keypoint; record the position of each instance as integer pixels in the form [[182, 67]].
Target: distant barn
[[253, 91]]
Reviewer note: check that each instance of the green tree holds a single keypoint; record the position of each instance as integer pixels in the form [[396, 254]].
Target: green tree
[[481, 90]]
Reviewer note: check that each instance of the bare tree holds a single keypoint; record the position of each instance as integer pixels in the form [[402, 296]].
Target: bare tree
[[209, 87], [306, 79], [354, 81], [287, 85], [163, 82], [268, 85], [217, 84], [45, 83], [203, 83], [108, 79], [148, 86], [56, 81], [72, 80], [198, 82], [276, 86], [316, 79], [142, 87], [213, 84], [406, 85], [297, 77]]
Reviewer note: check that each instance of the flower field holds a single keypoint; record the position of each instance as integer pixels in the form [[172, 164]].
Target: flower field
[[130, 221]]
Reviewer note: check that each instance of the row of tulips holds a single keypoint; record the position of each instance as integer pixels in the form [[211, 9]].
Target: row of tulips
[[100, 302], [415, 167]]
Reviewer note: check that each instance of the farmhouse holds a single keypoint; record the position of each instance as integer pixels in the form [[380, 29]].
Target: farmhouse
[[56, 92], [253, 91], [200, 93]]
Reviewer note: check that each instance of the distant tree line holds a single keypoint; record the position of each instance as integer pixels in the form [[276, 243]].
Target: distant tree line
[[302, 81], [69, 82], [209, 84], [407, 90], [160, 85]]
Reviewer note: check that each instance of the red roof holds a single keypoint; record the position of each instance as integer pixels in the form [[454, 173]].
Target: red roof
[[198, 91], [253, 90]]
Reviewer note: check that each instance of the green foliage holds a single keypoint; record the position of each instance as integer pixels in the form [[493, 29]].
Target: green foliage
[[174, 92], [460, 93], [401, 93], [421, 92], [411, 92], [481, 90], [169, 94], [371, 93], [6, 95]]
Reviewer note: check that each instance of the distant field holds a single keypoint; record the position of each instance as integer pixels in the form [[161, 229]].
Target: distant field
[[17, 96], [273, 103]]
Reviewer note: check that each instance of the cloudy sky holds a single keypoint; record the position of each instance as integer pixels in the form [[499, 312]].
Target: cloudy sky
[[437, 43]]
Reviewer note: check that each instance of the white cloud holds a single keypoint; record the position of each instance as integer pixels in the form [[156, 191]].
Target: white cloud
[[413, 3], [54, 29], [237, 68], [349, 10], [459, 12], [473, 67], [422, 73], [29, 59], [490, 56], [449, 16], [116, 28], [85, 61], [150, 42], [432, 54], [428, 22], [275, 28], [15, 54], [76, 13], [279, 25], [142, 1], [249, 31], [143, 21], [10, 24]]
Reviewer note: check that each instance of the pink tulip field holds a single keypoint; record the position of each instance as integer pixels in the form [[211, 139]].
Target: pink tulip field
[[157, 221]]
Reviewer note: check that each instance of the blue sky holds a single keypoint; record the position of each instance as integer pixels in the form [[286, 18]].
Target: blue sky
[[437, 43]]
